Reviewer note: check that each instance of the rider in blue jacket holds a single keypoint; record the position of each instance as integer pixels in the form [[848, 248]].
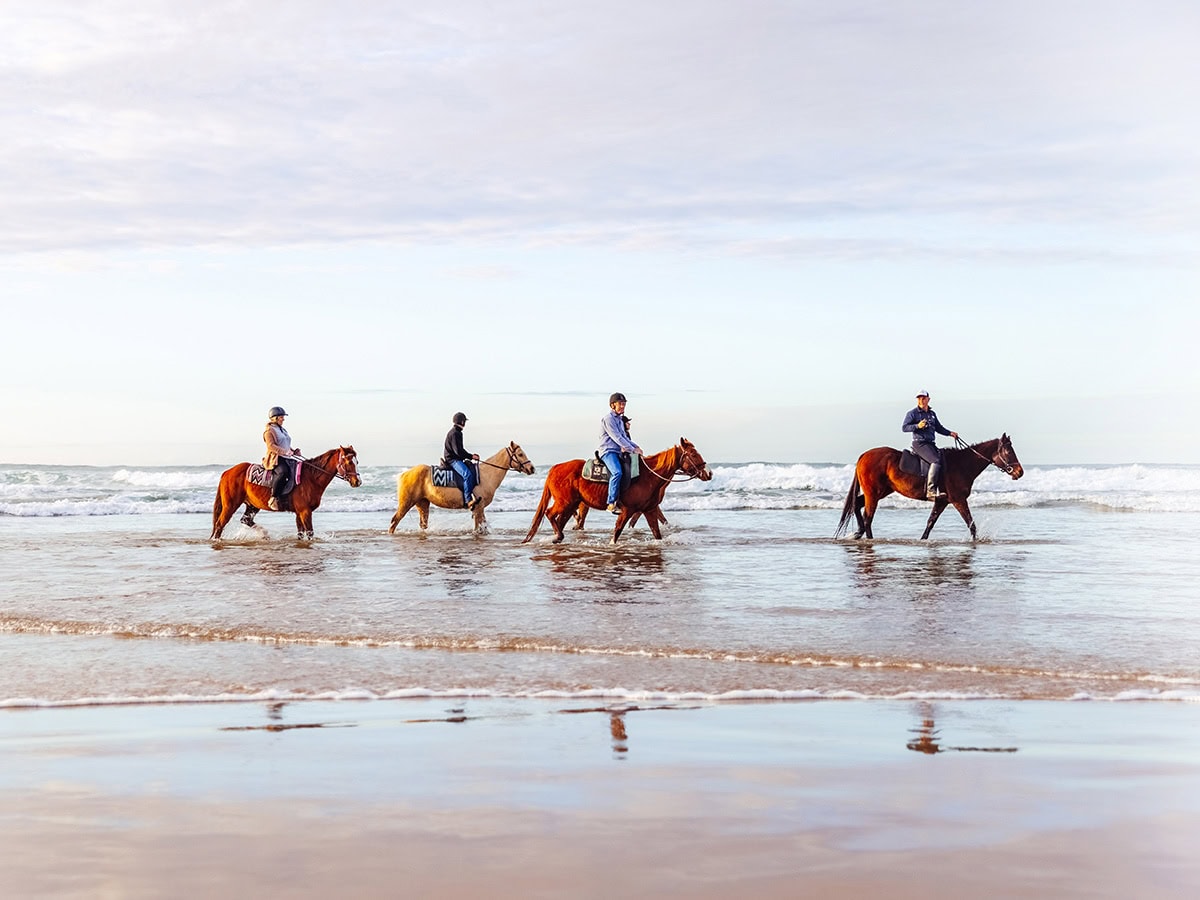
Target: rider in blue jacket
[[614, 439], [923, 422]]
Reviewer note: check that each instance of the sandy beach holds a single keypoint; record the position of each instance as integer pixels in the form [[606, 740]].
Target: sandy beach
[[507, 798]]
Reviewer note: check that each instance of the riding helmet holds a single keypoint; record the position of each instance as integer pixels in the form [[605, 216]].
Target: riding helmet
[[460, 418], [276, 411], [618, 397]]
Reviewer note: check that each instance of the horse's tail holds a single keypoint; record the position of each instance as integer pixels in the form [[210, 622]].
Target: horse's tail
[[540, 514], [848, 509]]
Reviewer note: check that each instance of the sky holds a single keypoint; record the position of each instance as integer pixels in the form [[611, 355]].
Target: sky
[[767, 223]]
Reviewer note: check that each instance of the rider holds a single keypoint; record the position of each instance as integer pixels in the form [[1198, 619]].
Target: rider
[[614, 438], [923, 422], [460, 460], [279, 449]]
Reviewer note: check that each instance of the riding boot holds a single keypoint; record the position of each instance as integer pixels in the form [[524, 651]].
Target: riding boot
[[932, 488]]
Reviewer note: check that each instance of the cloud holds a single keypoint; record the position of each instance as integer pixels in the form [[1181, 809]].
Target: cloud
[[709, 127]]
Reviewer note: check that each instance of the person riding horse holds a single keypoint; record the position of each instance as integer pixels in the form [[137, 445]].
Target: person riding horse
[[279, 453], [923, 422], [614, 439], [462, 462]]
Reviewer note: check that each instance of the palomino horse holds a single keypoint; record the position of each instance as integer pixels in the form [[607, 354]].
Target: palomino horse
[[878, 474], [415, 487], [315, 475], [566, 488]]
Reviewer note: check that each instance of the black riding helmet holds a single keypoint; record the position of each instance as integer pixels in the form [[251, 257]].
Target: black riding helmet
[[618, 397], [460, 418], [276, 411]]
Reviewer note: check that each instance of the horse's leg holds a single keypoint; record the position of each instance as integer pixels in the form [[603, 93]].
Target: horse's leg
[[480, 521], [249, 514], [401, 511], [965, 512], [581, 515], [558, 520], [301, 527], [938, 505], [859, 502], [870, 504], [223, 510], [423, 512], [622, 519], [651, 518]]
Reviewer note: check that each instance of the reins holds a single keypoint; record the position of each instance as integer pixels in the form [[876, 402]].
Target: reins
[[335, 473], [511, 458], [991, 462], [672, 479]]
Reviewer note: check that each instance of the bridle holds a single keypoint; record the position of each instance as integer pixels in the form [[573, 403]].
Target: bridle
[[340, 468], [1003, 466], [678, 468], [512, 457]]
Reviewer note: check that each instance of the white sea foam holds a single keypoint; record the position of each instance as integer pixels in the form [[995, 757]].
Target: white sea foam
[[106, 491]]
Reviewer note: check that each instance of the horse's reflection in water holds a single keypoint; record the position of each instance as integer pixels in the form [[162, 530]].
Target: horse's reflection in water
[[928, 740], [613, 575], [928, 576], [460, 571]]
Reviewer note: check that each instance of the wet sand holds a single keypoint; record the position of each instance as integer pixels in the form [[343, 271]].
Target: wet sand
[[546, 798]]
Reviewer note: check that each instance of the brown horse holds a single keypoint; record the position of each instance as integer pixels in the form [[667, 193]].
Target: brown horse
[[565, 489], [878, 474], [415, 487], [315, 475]]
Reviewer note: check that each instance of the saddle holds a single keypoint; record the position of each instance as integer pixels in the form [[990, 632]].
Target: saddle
[[913, 464], [594, 469], [266, 477]]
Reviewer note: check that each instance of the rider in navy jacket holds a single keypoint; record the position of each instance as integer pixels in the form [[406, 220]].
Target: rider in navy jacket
[[923, 423]]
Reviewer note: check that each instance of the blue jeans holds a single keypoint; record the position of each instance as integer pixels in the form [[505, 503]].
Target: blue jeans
[[612, 459], [467, 471]]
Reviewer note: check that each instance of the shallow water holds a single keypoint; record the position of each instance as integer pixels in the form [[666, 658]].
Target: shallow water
[[1054, 602]]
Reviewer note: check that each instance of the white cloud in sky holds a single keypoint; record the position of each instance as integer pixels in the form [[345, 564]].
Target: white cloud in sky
[[271, 123], [806, 205]]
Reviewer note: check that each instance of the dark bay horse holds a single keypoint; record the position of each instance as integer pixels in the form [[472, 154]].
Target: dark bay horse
[[878, 474], [315, 476], [565, 489]]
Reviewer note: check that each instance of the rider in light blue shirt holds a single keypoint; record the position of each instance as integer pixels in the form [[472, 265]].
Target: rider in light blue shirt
[[614, 441]]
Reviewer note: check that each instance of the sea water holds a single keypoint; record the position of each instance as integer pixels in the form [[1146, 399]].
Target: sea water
[[1082, 585]]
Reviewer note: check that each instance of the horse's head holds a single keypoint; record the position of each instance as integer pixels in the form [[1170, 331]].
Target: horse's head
[[692, 463], [1005, 457], [347, 466], [517, 460]]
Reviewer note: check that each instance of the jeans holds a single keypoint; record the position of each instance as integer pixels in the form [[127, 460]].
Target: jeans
[[612, 459], [467, 471]]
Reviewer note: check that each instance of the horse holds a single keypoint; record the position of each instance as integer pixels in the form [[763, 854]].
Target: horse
[[566, 488], [315, 476], [878, 474], [415, 487]]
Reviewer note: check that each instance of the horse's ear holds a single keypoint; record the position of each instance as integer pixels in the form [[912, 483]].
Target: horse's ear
[[513, 444]]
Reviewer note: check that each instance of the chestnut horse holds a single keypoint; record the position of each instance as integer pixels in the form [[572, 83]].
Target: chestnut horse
[[878, 474], [415, 487], [315, 475], [565, 489]]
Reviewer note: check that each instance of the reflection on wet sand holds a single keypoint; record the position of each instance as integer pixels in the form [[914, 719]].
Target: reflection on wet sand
[[927, 738], [616, 722], [939, 570], [612, 575]]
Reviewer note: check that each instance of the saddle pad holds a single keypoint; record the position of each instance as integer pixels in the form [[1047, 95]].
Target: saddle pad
[[447, 478], [260, 476], [256, 474], [913, 464], [595, 470]]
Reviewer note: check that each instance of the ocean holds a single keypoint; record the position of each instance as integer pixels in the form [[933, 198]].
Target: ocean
[[1083, 586]]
